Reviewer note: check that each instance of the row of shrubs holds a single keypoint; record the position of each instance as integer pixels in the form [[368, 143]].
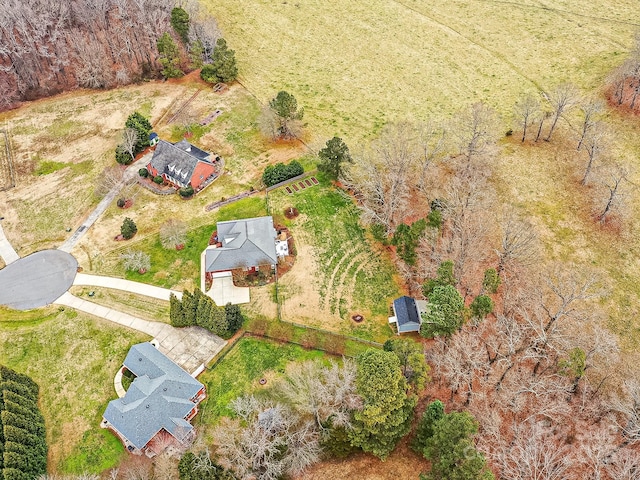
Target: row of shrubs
[[198, 309], [23, 446], [280, 172], [184, 192]]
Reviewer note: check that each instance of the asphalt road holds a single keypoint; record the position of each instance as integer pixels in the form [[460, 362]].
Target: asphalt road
[[37, 280]]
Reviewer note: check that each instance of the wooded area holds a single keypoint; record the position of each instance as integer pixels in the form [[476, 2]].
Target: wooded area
[[49, 46]]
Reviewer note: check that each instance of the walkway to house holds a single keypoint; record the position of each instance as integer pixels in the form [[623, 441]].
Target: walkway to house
[[7, 252], [83, 279], [189, 347], [223, 290], [129, 176]]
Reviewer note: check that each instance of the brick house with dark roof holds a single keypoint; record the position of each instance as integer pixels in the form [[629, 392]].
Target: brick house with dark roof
[[183, 164], [161, 401]]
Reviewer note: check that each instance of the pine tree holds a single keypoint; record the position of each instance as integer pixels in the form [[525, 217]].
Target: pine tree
[[333, 156], [387, 410], [175, 311], [433, 413], [452, 452], [169, 56]]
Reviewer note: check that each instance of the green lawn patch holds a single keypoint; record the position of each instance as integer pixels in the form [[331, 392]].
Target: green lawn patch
[[240, 371], [169, 266]]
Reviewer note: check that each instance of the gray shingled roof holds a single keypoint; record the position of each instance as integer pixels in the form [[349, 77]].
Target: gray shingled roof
[[407, 315], [178, 160], [159, 397], [245, 243]]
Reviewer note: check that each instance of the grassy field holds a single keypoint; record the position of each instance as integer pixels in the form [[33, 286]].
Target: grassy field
[[337, 273], [355, 65], [172, 268], [73, 358]]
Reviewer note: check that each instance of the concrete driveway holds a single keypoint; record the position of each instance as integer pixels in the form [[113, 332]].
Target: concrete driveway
[[189, 347], [223, 290], [126, 285], [7, 252], [37, 280]]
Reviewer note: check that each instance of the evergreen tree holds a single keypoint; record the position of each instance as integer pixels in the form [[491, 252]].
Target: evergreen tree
[[143, 128], [189, 308], [128, 228], [451, 450], [444, 276], [444, 313], [425, 429], [224, 62], [333, 156], [175, 311], [387, 409], [234, 317], [481, 306], [203, 310], [412, 362], [180, 23], [218, 322], [285, 107], [169, 56]]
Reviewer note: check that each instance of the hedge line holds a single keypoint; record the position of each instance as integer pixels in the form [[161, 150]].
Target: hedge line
[[23, 446]]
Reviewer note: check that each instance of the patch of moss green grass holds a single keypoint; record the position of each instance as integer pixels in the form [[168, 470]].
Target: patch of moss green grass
[[239, 372]]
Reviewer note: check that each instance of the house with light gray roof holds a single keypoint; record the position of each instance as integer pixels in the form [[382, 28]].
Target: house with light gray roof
[[158, 405], [247, 243]]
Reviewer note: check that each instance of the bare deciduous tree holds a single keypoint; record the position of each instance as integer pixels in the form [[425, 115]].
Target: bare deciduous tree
[[519, 243], [595, 143], [590, 112], [327, 393], [534, 454], [562, 99], [475, 130], [271, 442], [526, 111], [129, 141], [173, 232], [136, 261], [381, 175], [614, 192], [110, 178]]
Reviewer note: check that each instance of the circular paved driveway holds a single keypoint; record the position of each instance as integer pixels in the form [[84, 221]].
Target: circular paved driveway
[[37, 280]]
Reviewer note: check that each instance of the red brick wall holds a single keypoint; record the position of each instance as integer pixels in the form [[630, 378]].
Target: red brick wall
[[201, 173]]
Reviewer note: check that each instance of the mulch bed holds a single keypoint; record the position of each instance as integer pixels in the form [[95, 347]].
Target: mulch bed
[[357, 318], [291, 212]]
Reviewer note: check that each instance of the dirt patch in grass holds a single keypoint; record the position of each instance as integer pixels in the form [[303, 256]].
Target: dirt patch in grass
[[402, 464]]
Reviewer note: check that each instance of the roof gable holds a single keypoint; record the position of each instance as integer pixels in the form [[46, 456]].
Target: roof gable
[[160, 394], [407, 315], [245, 242]]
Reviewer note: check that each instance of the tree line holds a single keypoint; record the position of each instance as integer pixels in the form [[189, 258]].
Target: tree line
[[50, 46], [317, 409], [23, 446], [198, 309]]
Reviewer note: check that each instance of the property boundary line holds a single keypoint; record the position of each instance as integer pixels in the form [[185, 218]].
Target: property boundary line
[[9, 160]]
